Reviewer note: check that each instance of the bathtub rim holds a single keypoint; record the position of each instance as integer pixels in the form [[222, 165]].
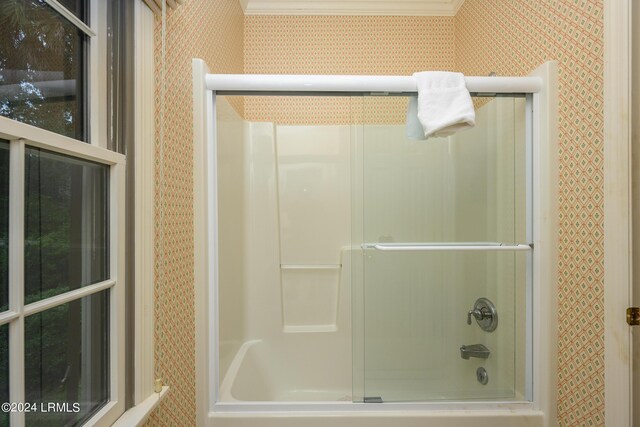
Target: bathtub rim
[[325, 407], [449, 418], [230, 403]]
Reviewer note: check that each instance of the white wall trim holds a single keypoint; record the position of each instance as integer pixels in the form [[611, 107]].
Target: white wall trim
[[137, 415], [617, 211], [545, 239], [457, 4], [352, 7], [144, 202], [635, 199]]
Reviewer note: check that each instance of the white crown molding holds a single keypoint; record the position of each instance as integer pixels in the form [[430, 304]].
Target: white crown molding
[[352, 7], [457, 4]]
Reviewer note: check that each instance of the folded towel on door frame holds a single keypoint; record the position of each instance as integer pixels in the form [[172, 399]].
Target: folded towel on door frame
[[443, 104]]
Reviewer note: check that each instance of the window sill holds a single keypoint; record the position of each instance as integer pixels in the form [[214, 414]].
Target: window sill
[[137, 415]]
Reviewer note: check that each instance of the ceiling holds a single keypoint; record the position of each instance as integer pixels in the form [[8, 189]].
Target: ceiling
[[352, 7]]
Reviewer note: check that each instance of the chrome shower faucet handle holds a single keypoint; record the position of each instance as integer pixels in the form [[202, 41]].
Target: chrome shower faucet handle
[[485, 314], [481, 314]]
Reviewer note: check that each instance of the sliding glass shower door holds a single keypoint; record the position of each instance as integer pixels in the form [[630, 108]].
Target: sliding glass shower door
[[440, 283]]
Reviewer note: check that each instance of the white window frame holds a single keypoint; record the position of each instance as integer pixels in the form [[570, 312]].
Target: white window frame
[[147, 395], [22, 135], [144, 204]]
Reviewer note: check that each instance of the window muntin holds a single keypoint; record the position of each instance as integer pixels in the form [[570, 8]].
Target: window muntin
[[77, 7], [66, 224], [66, 360], [42, 68], [4, 225]]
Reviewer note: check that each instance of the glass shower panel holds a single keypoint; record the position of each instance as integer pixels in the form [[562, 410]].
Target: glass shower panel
[[284, 246], [412, 340]]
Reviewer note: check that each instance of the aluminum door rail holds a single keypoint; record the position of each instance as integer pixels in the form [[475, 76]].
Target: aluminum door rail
[[344, 83], [462, 246]]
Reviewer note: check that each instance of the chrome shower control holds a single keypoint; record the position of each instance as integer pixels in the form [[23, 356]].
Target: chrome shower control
[[474, 350], [482, 375], [485, 314]]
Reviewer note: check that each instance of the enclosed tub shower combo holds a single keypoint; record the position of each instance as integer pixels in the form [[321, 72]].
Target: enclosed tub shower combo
[[347, 272]]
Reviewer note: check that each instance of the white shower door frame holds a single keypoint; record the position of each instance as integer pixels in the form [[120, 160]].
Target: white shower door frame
[[541, 85]]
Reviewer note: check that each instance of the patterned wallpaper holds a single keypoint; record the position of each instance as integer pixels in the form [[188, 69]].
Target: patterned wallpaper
[[506, 36], [378, 45], [222, 22], [513, 38]]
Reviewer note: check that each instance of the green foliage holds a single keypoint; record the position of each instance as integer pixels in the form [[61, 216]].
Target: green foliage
[[47, 226], [39, 45], [46, 343]]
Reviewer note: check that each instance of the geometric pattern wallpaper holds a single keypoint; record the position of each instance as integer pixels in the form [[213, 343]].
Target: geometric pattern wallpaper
[[513, 38], [213, 31], [378, 45], [510, 37]]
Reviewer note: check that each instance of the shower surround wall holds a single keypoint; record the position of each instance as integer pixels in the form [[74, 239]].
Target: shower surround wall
[[292, 258], [505, 36], [264, 249]]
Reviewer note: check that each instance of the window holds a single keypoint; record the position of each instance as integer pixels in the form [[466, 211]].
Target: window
[[60, 333], [61, 219], [66, 224], [42, 68]]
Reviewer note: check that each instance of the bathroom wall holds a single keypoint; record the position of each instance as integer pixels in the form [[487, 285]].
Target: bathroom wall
[[508, 37], [214, 31], [513, 38], [380, 45]]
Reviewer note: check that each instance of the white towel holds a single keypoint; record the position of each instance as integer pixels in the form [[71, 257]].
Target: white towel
[[414, 127], [444, 103]]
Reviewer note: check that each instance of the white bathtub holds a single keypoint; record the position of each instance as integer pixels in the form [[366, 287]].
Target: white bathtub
[[249, 380], [287, 395]]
